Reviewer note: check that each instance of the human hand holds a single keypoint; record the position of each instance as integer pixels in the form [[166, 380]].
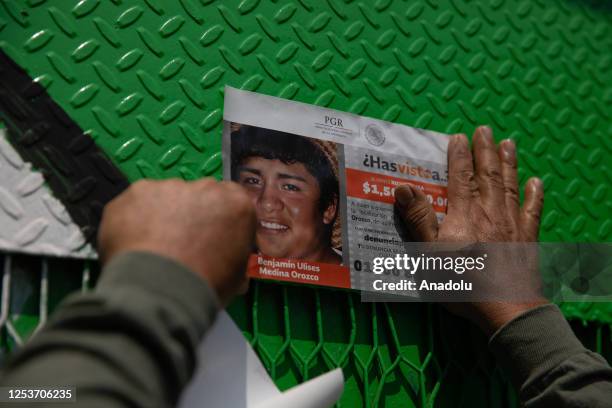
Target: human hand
[[207, 226], [483, 206]]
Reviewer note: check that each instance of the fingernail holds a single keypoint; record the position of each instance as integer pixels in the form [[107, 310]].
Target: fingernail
[[536, 183], [508, 149], [404, 195], [509, 144], [459, 138], [486, 132]]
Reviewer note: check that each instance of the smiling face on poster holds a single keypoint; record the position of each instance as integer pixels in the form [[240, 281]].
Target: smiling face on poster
[[293, 183]]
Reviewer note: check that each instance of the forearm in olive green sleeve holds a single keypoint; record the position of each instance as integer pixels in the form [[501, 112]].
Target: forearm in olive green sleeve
[[129, 343], [549, 365]]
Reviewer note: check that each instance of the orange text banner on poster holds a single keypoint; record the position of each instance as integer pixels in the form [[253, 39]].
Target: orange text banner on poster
[[298, 271], [380, 187]]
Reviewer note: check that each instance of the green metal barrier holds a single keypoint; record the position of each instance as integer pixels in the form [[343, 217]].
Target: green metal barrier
[[144, 79]]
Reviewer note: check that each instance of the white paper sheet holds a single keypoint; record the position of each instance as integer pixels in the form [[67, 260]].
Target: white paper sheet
[[229, 374]]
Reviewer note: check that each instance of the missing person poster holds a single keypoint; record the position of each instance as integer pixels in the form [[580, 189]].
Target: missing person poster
[[322, 182]]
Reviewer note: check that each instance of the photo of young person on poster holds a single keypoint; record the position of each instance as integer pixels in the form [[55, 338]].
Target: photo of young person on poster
[[293, 182]]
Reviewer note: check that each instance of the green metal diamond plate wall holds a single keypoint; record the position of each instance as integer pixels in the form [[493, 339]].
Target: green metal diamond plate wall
[[145, 80]]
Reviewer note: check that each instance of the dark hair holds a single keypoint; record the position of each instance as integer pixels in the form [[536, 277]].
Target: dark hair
[[250, 141]]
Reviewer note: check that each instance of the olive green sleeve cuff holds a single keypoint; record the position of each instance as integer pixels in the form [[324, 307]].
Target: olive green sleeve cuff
[[166, 278], [534, 343]]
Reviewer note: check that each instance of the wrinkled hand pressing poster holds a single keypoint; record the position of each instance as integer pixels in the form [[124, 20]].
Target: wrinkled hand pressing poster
[[322, 183]]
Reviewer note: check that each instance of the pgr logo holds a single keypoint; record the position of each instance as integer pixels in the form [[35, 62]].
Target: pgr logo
[[375, 135], [330, 120]]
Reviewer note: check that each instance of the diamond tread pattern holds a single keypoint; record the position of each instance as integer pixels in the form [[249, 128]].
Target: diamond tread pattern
[[32, 219], [77, 171]]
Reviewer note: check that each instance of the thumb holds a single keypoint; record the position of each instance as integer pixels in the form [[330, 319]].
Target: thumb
[[416, 213]]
